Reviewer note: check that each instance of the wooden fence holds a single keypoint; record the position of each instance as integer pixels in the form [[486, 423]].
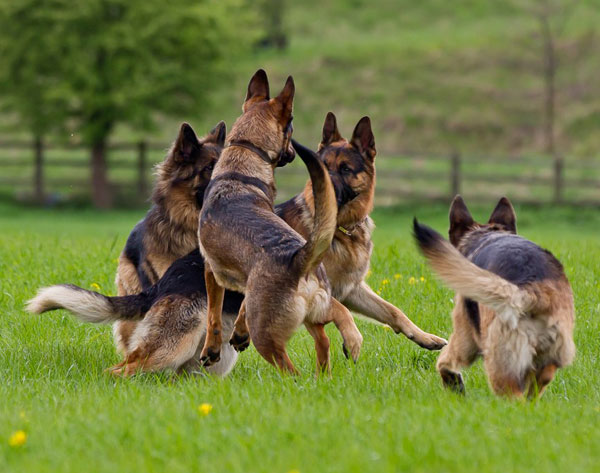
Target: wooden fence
[[37, 171]]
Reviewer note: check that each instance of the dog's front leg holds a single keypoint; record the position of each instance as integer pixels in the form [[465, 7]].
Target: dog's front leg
[[211, 353], [364, 301], [240, 339], [343, 320]]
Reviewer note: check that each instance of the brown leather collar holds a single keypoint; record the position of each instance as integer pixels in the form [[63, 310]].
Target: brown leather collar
[[255, 149]]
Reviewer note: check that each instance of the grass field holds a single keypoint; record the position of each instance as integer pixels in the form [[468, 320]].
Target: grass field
[[388, 413]]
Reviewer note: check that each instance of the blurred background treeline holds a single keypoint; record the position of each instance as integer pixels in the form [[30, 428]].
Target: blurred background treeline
[[471, 95]]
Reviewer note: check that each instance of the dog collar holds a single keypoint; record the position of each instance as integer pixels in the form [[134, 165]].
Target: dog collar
[[255, 149], [344, 231]]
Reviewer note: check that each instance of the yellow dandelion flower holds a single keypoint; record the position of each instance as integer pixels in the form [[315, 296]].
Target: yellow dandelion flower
[[369, 272], [387, 327], [397, 276], [95, 286], [422, 279], [379, 291], [205, 408], [294, 471], [385, 281], [17, 439], [412, 280]]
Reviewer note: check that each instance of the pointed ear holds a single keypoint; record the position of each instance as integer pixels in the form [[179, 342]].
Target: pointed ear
[[460, 220], [286, 99], [258, 87], [363, 139], [217, 134], [330, 131], [186, 144], [504, 214]]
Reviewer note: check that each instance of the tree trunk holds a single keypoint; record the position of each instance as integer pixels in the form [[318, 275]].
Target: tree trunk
[[550, 65], [101, 192]]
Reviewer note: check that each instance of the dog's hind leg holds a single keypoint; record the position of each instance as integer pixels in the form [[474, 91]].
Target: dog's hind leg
[[212, 346], [240, 339], [364, 301], [461, 351], [317, 331], [343, 320]]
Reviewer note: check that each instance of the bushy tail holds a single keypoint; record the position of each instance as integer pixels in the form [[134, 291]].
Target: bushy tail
[[505, 298], [88, 306], [322, 233]]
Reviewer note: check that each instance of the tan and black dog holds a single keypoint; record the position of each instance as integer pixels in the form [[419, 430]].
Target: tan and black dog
[[170, 318], [351, 165], [169, 229], [513, 304], [248, 248]]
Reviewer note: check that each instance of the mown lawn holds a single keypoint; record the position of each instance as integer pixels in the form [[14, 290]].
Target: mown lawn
[[388, 413]]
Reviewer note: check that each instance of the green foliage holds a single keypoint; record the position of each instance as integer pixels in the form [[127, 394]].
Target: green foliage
[[388, 413], [114, 61]]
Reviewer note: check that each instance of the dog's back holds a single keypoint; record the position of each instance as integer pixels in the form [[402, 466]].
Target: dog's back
[[514, 303]]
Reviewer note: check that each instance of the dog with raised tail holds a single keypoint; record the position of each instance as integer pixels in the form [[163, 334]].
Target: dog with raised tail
[[513, 304]]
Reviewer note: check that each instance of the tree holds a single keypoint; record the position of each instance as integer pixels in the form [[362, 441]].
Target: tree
[[94, 64]]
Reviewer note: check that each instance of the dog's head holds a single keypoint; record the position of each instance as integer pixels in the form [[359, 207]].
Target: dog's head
[[503, 219], [186, 171], [351, 165], [267, 122]]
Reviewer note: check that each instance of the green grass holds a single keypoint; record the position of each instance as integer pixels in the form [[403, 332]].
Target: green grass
[[388, 413]]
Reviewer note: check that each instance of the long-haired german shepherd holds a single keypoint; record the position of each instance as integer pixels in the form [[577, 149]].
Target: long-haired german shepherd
[[351, 166], [513, 302], [170, 318], [248, 248], [169, 229]]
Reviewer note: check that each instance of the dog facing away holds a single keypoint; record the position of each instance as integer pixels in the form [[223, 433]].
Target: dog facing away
[[248, 248], [513, 303], [170, 318], [351, 166], [169, 229]]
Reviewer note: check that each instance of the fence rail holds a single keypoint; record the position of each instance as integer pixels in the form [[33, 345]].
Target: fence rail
[[37, 170]]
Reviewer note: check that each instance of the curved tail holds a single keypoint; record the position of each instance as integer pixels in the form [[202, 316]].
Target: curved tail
[[508, 300], [88, 306], [309, 256]]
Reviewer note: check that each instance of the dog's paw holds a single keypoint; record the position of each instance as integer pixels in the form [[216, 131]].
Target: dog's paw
[[352, 347], [431, 342], [209, 356], [240, 342], [453, 381]]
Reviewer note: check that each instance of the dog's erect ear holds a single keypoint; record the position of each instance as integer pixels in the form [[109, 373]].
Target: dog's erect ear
[[331, 133], [286, 99], [258, 88], [460, 220], [504, 214], [217, 134], [186, 144], [363, 139]]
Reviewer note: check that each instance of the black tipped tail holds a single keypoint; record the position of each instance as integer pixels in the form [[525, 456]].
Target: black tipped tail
[[427, 238]]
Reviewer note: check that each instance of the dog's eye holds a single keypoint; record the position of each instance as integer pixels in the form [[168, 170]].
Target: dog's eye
[[209, 167], [345, 169]]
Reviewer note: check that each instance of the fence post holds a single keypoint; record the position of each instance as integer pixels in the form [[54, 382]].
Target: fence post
[[455, 175], [142, 147], [38, 170], [558, 179]]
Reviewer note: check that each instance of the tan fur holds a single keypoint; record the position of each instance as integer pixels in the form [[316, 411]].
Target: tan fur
[[524, 333], [230, 248], [347, 259], [172, 222]]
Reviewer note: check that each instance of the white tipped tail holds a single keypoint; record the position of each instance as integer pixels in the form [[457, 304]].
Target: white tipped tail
[[509, 301], [88, 306]]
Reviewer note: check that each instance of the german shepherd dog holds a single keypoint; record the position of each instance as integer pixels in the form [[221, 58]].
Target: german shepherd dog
[[169, 229], [351, 166], [249, 249], [513, 302], [170, 318]]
